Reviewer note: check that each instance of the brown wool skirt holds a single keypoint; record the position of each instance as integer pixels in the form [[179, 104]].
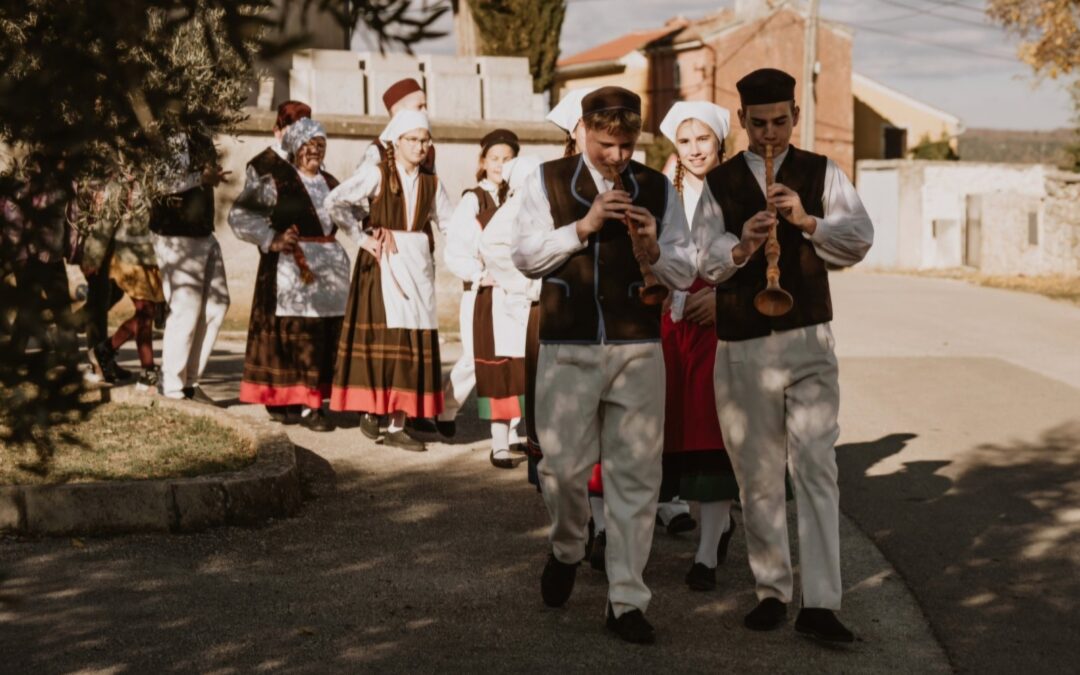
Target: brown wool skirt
[[500, 380], [383, 370]]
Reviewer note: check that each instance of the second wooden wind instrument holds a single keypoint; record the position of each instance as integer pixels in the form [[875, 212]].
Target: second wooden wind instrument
[[653, 292], [773, 300]]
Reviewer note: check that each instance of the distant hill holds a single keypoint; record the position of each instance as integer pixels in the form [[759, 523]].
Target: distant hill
[[1016, 147]]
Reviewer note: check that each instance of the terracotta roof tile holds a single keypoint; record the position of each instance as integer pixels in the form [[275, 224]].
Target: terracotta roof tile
[[620, 46]]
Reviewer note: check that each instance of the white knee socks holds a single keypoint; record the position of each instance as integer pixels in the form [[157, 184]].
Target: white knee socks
[[715, 517], [499, 435], [597, 506]]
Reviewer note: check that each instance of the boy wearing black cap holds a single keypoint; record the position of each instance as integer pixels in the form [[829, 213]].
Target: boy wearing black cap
[[777, 392], [599, 390]]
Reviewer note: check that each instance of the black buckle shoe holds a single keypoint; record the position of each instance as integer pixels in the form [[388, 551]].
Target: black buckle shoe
[[317, 421], [369, 426], [421, 425], [822, 624], [725, 540], [599, 549], [402, 440], [770, 614], [557, 581], [283, 414], [504, 462], [447, 428], [682, 522], [631, 627], [701, 577]]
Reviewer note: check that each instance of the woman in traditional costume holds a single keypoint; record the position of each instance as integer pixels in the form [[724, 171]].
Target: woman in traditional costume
[[696, 466], [388, 354], [302, 281]]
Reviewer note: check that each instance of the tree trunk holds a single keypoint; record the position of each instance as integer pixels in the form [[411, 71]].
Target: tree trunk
[[468, 38]]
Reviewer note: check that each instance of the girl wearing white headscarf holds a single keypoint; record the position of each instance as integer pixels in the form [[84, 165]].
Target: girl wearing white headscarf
[[695, 462], [388, 356], [302, 282]]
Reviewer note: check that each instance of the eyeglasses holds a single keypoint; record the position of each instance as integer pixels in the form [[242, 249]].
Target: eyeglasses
[[416, 140]]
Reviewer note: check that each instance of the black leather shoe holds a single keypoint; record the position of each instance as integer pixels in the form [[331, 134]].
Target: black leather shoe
[[557, 581], [402, 440], [503, 462], [822, 624], [631, 626], [599, 548], [682, 522], [369, 426], [420, 424], [770, 614], [317, 420], [282, 414], [701, 578], [446, 429], [725, 539]]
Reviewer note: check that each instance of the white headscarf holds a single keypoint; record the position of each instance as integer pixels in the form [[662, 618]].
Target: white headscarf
[[402, 123], [567, 112], [300, 132], [715, 117], [519, 168]]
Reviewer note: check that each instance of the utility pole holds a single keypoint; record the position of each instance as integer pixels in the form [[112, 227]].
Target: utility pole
[[809, 102]]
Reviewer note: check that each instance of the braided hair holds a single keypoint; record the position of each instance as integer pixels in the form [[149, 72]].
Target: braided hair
[[391, 164], [680, 172], [571, 145]]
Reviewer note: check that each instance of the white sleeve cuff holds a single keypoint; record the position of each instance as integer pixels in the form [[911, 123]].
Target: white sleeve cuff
[[821, 232], [566, 238], [267, 240]]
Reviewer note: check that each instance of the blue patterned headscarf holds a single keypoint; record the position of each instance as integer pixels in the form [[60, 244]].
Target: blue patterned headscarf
[[300, 132]]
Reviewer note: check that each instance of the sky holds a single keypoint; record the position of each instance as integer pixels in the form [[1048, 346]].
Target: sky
[[976, 77]]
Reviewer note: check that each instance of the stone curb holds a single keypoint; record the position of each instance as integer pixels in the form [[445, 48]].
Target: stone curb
[[268, 488]]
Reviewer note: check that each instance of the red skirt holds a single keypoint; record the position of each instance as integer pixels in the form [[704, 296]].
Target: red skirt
[[690, 420]]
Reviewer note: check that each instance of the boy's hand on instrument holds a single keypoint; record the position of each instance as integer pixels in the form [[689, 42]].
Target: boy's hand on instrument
[[790, 205], [700, 307], [644, 224], [611, 205], [754, 233]]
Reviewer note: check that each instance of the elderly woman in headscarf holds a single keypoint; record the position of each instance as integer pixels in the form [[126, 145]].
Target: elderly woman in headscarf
[[302, 282]]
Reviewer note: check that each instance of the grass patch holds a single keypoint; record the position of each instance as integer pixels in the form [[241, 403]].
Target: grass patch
[[124, 442], [1055, 286]]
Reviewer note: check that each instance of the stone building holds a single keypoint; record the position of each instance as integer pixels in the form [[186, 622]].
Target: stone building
[[890, 124]]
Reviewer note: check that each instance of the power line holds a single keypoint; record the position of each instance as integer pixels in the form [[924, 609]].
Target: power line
[[931, 43], [917, 11]]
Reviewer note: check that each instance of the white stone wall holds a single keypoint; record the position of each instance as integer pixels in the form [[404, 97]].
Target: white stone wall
[[1006, 245], [920, 208]]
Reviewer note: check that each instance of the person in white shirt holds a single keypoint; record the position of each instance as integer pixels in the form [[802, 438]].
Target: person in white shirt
[[388, 355], [600, 358], [406, 94], [499, 378], [777, 391], [696, 466]]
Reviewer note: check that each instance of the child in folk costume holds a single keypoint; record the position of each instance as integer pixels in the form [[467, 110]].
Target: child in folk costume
[[600, 356], [124, 247], [777, 390], [521, 294], [406, 94], [500, 379], [302, 282], [696, 467], [388, 355]]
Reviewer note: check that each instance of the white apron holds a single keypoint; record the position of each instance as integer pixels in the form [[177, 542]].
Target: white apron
[[408, 283]]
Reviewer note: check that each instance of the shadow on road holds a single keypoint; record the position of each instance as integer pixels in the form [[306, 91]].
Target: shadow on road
[[992, 552]]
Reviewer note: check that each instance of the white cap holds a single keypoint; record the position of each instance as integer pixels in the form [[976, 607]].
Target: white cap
[[402, 123], [519, 168], [715, 117], [567, 113]]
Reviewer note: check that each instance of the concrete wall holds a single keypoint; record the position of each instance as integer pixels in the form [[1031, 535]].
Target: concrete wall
[[458, 151], [339, 82], [921, 210]]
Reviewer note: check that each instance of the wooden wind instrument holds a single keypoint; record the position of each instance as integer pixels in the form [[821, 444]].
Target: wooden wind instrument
[[653, 292], [773, 300]]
